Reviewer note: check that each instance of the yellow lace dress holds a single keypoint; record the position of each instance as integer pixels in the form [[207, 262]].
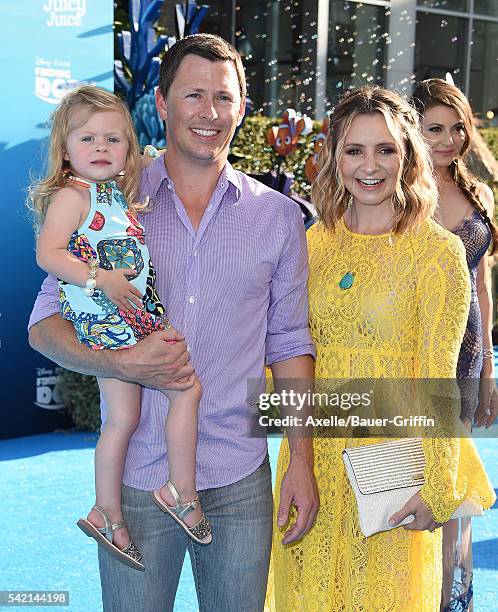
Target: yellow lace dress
[[404, 316]]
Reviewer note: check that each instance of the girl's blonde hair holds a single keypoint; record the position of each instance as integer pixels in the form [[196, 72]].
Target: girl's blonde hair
[[93, 100], [415, 197], [435, 92]]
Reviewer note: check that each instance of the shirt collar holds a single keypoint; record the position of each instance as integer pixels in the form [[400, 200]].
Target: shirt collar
[[157, 173], [233, 177]]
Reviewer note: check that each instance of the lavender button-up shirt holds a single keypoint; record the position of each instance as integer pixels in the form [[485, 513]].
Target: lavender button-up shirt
[[236, 288]]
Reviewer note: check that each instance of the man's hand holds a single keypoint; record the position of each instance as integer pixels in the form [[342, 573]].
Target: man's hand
[[298, 487], [299, 490], [160, 361], [424, 521]]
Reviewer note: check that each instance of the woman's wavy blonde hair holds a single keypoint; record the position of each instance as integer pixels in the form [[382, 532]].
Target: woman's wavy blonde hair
[[93, 100], [415, 197]]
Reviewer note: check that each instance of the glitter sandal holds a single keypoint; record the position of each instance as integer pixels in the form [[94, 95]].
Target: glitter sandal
[[201, 531], [130, 555]]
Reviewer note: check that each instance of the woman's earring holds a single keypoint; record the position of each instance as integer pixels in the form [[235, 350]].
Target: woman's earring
[[350, 200]]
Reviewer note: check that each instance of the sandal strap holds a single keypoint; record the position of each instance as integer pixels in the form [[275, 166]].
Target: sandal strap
[[181, 509], [108, 527]]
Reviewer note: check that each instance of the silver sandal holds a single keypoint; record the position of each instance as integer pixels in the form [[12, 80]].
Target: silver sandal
[[130, 555], [201, 531]]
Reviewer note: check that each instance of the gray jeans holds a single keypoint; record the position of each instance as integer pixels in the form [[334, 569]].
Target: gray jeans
[[230, 573]]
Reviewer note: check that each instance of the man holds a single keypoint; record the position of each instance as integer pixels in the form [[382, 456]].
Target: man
[[231, 268]]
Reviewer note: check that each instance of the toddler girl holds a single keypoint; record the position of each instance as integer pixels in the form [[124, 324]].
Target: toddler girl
[[89, 237]]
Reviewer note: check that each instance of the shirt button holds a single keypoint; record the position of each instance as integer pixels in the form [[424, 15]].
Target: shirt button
[[209, 207], [195, 253], [191, 299], [188, 347]]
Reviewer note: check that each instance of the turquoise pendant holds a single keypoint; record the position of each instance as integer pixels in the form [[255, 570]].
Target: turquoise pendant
[[347, 281]]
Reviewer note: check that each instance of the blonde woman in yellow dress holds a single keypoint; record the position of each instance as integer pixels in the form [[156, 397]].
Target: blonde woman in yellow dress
[[389, 294]]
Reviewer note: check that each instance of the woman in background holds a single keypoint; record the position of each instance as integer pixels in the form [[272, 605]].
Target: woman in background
[[465, 207]]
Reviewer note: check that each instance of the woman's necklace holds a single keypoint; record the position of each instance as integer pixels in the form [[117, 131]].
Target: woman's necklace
[[348, 278]]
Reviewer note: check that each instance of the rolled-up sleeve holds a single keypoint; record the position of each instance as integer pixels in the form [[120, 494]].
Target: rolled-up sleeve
[[288, 332], [47, 302]]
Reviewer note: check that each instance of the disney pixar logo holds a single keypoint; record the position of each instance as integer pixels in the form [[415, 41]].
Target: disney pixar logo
[[66, 13]]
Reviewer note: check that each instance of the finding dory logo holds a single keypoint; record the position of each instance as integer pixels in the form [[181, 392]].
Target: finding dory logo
[[53, 79], [47, 395]]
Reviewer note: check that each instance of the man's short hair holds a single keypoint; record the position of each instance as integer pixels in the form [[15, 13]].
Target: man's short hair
[[210, 47]]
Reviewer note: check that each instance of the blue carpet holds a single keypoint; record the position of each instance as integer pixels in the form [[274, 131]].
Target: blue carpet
[[47, 483]]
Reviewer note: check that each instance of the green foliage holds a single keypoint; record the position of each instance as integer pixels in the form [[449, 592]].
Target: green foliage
[[250, 152], [80, 395], [490, 135]]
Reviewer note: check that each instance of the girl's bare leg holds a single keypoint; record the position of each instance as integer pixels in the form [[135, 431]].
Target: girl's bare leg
[[181, 441], [122, 400]]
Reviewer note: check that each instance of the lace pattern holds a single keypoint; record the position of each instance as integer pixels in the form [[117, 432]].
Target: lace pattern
[[404, 316]]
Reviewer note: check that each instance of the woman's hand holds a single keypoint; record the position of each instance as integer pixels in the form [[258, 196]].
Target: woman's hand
[[118, 289], [423, 516], [487, 410]]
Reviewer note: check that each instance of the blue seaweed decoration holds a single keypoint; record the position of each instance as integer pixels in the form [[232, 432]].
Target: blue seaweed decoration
[[136, 74], [189, 17]]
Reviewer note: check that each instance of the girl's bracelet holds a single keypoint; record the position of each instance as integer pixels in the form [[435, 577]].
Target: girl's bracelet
[[488, 353], [151, 151], [91, 283]]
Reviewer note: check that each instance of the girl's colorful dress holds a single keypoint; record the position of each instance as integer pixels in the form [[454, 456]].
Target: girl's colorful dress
[[112, 235]]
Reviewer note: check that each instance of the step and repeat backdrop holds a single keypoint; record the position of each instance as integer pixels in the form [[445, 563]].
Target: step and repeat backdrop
[[46, 48]]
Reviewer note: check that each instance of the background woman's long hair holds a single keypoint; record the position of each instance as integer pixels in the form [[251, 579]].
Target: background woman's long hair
[[415, 197], [434, 92]]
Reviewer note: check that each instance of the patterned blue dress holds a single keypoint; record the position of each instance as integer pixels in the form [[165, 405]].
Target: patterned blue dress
[[476, 237], [112, 235]]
